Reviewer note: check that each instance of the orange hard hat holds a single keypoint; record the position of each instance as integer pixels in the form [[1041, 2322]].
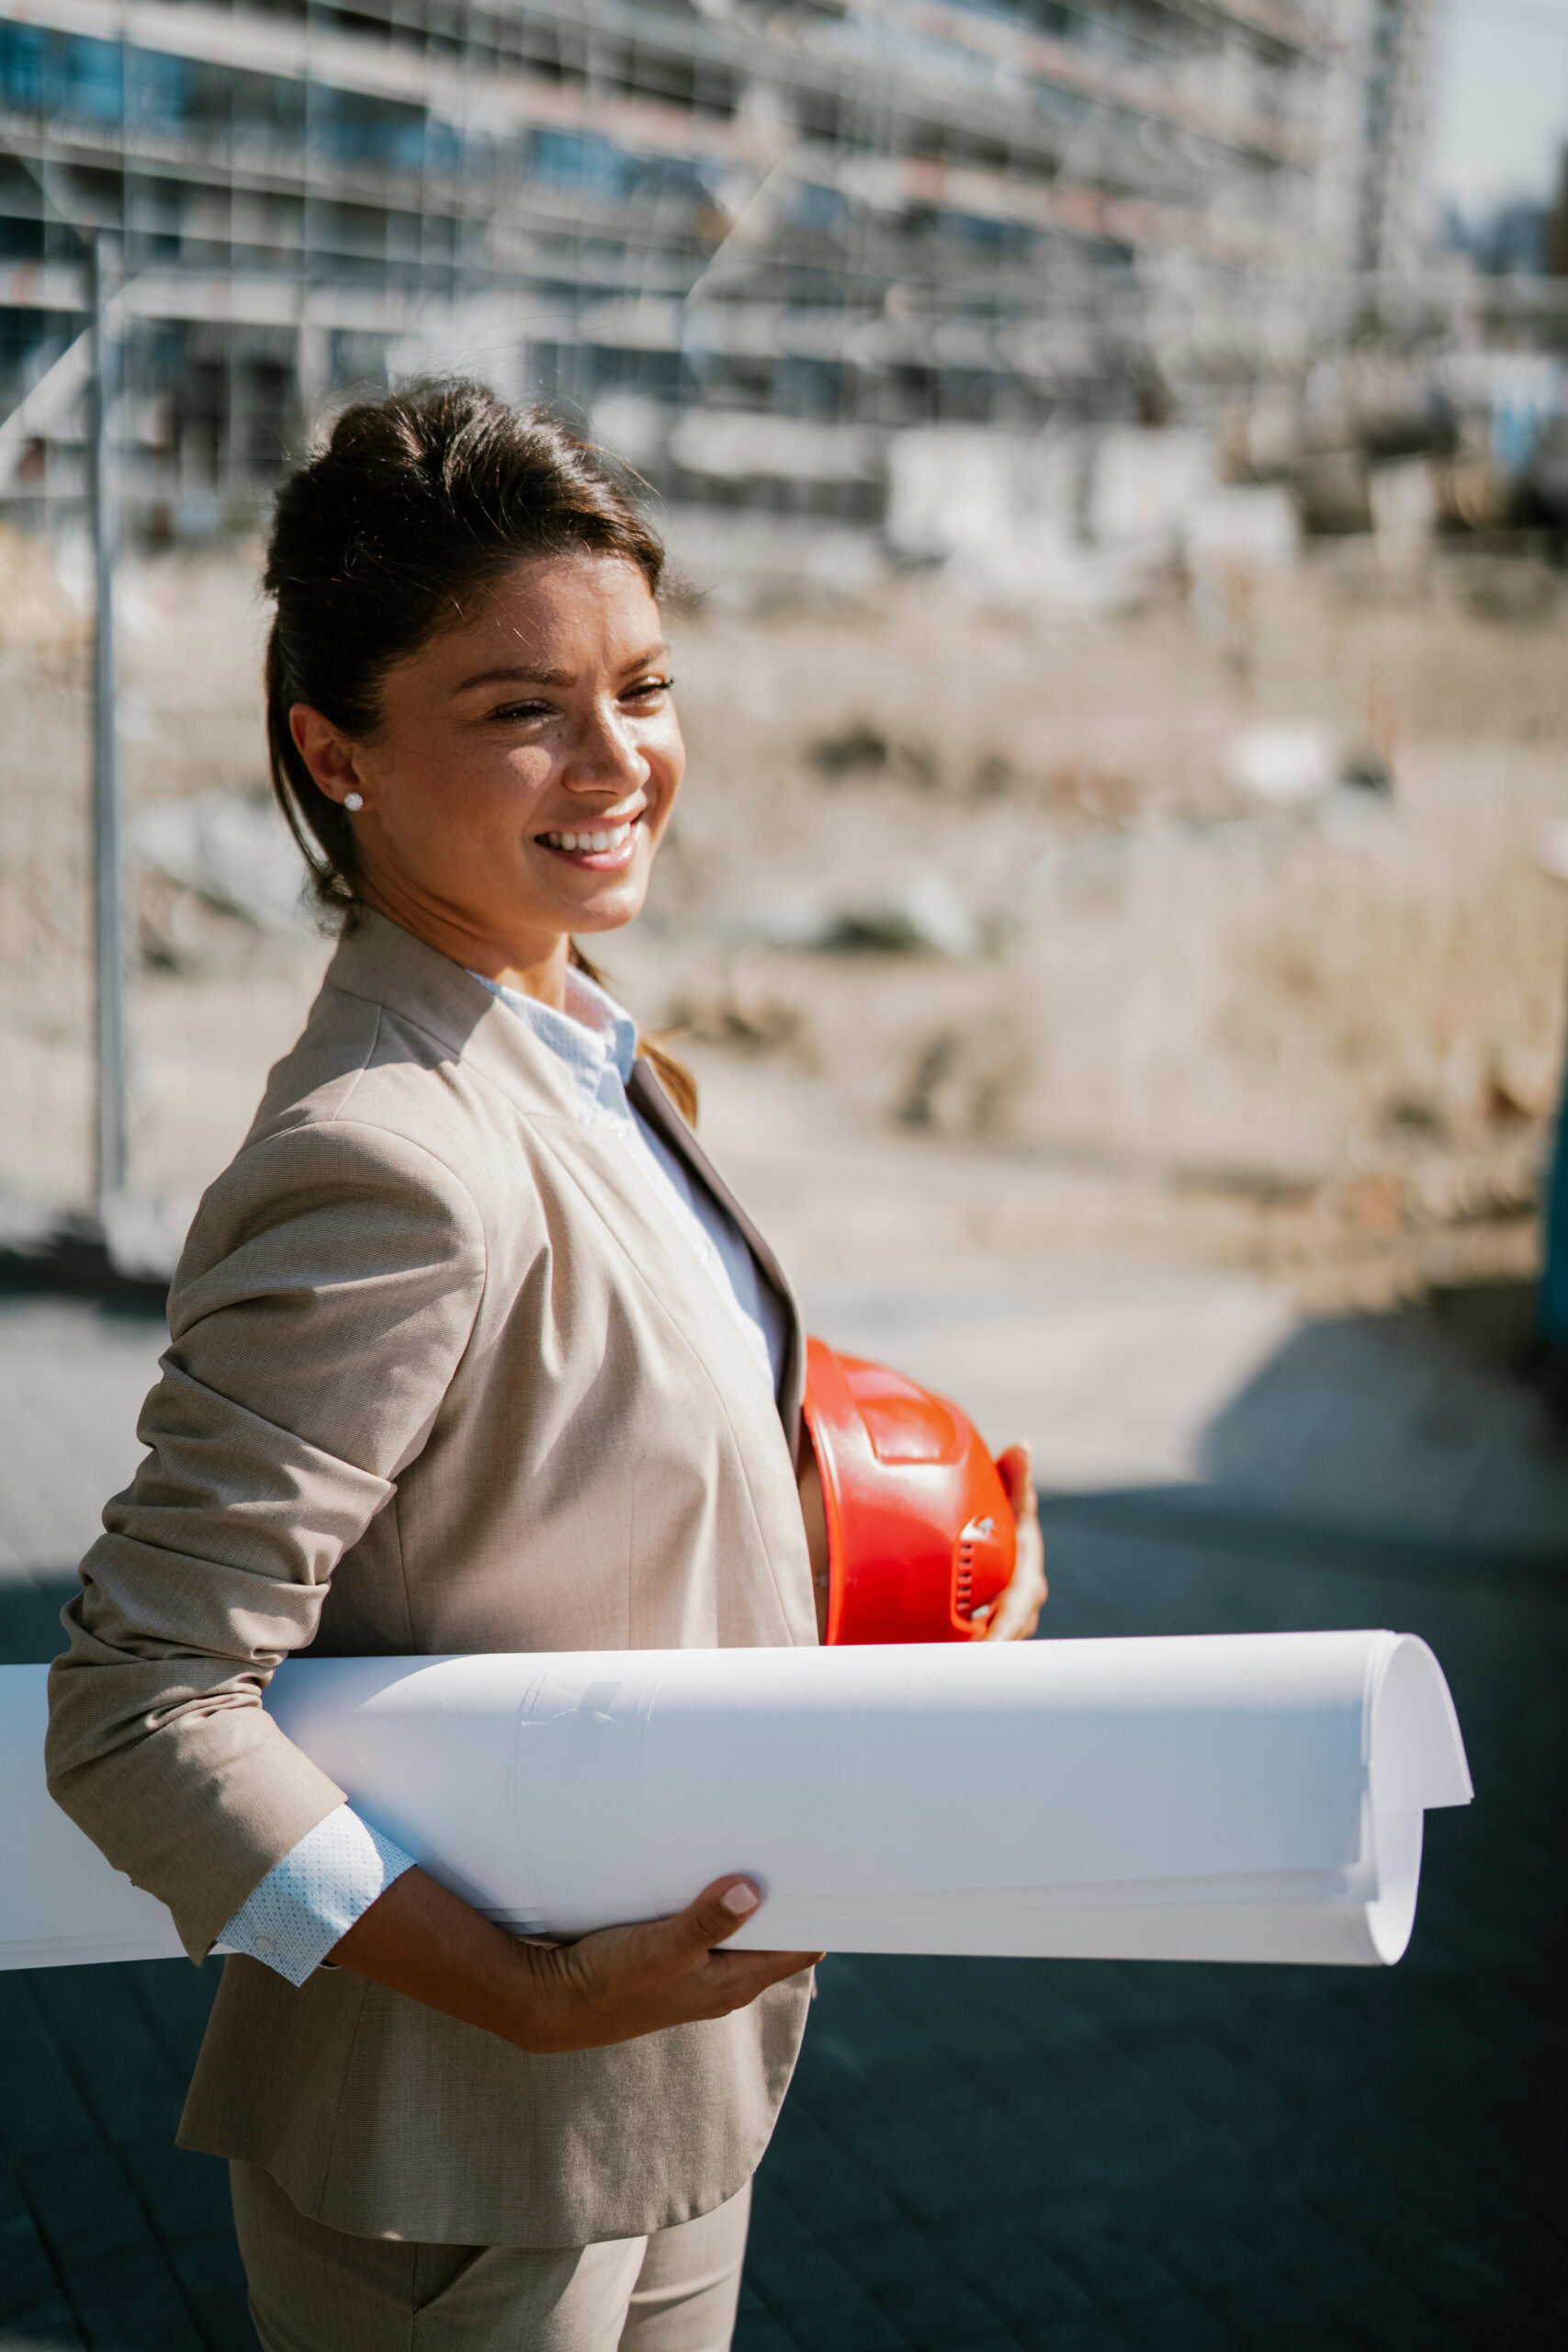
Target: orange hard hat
[[920, 1535]]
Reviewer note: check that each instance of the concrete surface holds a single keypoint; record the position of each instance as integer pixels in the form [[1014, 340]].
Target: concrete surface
[[1213, 1382], [1207, 1382]]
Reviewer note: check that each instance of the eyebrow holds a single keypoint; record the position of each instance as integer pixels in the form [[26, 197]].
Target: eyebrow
[[514, 675]]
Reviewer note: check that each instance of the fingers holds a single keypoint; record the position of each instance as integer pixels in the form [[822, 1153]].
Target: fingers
[[722, 1907], [1005, 1622], [620, 1983], [1014, 1468], [1017, 1611], [688, 1945], [738, 1976]]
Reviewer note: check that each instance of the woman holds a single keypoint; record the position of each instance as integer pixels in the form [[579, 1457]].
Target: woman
[[470, 1350]]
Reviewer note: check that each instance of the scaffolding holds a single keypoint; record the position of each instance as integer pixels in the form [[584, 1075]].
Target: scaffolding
[[848, 216]]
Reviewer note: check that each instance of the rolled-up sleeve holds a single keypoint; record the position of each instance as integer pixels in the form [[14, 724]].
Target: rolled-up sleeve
[[323, 1302], [308, 1901]]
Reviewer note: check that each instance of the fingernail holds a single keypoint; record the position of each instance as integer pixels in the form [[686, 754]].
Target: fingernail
[[740, 1898]]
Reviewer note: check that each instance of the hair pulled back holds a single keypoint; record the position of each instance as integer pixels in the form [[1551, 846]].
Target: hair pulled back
[[417, 503]]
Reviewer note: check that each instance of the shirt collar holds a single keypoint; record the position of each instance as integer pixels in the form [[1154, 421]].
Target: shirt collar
[[595, 1038]]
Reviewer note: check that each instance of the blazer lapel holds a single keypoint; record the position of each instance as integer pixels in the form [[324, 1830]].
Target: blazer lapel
[[378, 960], [649, 1097]]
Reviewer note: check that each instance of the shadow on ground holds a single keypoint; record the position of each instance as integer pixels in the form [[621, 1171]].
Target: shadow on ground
[[1063, 2156], [1422, 1423]]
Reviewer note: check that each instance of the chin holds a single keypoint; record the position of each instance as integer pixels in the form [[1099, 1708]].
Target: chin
[[612, 912]]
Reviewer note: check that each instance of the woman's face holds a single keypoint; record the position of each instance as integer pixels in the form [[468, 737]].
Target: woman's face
[[523, 772]]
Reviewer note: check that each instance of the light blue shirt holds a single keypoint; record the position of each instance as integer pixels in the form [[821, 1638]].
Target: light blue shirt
[[315, 1894], [312, 1897], [596, 1039]]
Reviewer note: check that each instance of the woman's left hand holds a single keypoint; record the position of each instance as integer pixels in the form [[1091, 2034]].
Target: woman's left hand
[[1016, 1612]]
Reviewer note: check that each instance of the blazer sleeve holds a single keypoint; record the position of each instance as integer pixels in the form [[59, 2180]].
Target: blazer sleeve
[[322, 1303]]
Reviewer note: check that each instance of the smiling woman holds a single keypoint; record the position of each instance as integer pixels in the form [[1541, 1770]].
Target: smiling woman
[[476, 661], [472, 1350], [563, 761]]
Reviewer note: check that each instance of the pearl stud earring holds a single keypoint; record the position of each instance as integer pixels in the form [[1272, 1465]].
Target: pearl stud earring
[[353, 802]]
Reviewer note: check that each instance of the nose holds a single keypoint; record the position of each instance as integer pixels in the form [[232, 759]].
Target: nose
[[605, 755]]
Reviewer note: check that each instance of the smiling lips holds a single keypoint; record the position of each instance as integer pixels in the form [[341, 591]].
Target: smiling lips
[[604, 846]]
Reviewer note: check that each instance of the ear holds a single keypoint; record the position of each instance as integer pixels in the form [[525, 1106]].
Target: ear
[[331, 756]]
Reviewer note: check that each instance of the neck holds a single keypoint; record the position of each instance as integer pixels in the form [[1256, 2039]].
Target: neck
[[534, 965]]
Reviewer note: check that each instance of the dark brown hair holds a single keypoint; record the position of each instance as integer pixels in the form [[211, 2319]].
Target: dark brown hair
[[419, 500]]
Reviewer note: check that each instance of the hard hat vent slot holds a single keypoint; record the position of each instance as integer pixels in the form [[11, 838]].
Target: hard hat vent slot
[[968, 1558]]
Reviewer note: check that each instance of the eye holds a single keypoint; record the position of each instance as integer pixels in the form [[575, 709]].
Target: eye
[[509, 713], [646, 689]]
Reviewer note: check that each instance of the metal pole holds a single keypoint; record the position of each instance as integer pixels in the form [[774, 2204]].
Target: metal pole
[[110, 1125]]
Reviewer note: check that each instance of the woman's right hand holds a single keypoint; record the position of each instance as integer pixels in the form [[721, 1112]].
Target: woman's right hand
[[422, 1940]]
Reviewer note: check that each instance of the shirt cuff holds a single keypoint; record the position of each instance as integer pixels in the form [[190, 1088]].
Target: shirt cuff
[[315, 1894]]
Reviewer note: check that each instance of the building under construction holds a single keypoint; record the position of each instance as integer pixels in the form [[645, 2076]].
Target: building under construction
[[752, 240]]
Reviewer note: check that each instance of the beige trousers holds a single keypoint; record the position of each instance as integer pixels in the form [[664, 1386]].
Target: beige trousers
[[315, 2290]]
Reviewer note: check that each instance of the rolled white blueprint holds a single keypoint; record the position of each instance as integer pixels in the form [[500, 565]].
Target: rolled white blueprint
[[59, 1900], [1236, 1797], [1233, 1797]]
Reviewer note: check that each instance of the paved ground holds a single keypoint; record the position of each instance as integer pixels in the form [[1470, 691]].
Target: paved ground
[[1206, 1385], [1010, 2153], [990, 2154]]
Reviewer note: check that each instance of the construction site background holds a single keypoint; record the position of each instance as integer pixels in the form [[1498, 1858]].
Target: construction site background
[[1120, 618], [1232, 921]]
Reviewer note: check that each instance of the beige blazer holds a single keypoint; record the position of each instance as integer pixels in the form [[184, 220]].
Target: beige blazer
[[441, 1378]]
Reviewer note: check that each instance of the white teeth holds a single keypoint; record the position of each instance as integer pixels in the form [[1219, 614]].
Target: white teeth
[[616, 837]]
